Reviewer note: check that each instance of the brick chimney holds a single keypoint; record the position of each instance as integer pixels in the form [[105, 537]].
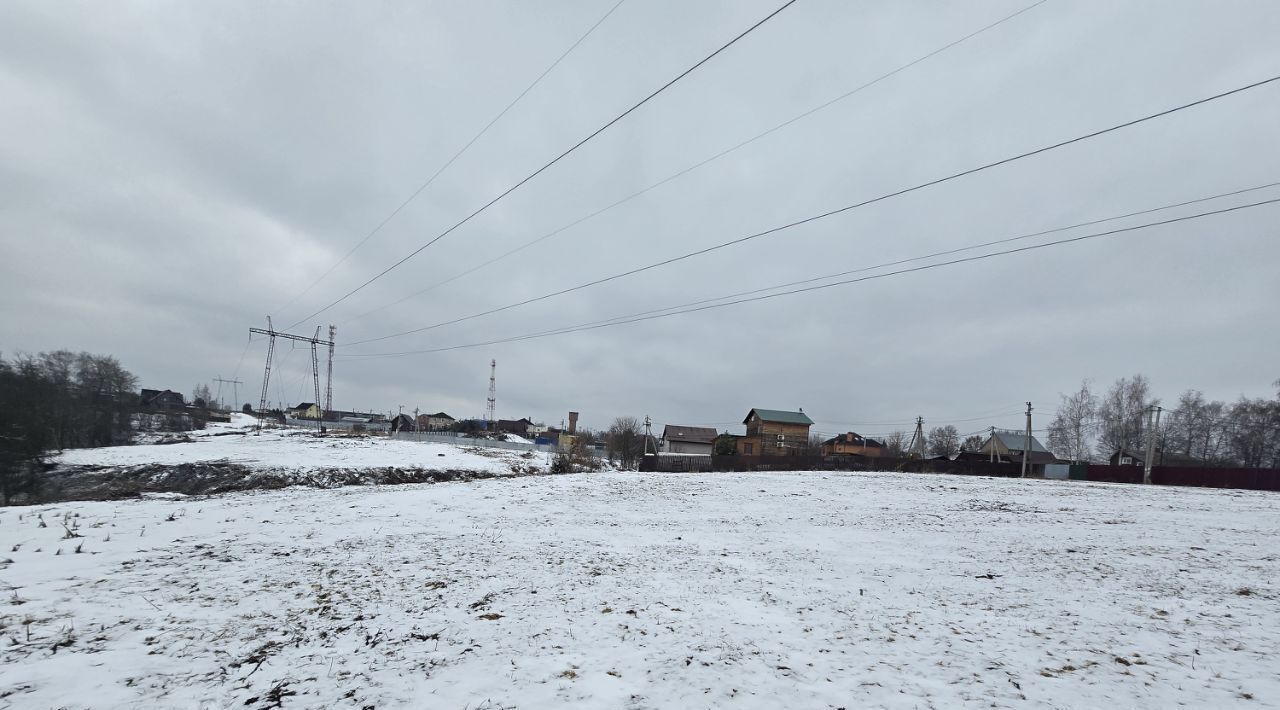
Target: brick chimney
[[573, 422]]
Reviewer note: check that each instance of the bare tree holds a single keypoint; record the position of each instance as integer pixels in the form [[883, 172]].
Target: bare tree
[[202, 397], [1122, 415], [55, 401], [624, 442], [944, 441], [972, 443], [895, 444], [1074, 424], [1254, 426]]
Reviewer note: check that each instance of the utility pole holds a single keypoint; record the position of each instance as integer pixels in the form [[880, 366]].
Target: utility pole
[[992, 444], [493, 393], [315, 377], [1026, 443], [648, 433], [917, 439], [1151, 442], [272, 334]]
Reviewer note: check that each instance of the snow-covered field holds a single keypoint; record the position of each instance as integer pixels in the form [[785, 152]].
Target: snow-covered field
[[618, 590], [297, 450]]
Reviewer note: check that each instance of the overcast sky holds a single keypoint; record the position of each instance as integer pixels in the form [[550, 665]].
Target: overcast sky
[[171, 173]]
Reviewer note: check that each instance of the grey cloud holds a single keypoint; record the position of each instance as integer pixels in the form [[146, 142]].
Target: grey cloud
[[171, 174]]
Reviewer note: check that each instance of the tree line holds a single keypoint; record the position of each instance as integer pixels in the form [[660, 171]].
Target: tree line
[[1091, 427], [58, 400]]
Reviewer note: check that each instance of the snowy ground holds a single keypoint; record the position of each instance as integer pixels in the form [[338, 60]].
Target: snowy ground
[[296, 450], [796, 590], [230, 457]]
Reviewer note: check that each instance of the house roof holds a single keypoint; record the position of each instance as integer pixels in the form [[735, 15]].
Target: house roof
[[305, 405], [695, 434], [858, 440], [440, 415], [1015, 440], [779, 416]]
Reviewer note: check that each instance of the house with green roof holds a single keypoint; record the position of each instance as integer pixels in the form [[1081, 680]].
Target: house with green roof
[[774, 432]]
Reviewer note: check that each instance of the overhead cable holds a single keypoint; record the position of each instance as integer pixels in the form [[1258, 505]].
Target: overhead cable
[[964, 260], [553, 161], [452, 159], [830, 213], [700, 164]]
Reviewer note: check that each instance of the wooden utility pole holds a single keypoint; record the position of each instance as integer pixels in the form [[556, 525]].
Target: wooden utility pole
[[917, 439], [992, 444], [1026, 443]]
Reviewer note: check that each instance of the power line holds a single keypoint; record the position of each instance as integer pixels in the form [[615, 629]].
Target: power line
[[707, 161], [807, 289], [555, 160], [839, 210], [947, 252], [455, 156]]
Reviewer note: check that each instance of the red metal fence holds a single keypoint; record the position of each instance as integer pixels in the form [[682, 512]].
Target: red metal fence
[[1244, 478]]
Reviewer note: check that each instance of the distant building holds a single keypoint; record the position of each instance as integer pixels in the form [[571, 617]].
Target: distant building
[[161, 400], [852, 444], [435, 422], [306, 410], [519, 427], [1009, 445], [402, 422], [688, 439], [1124, 457], [774, 432]]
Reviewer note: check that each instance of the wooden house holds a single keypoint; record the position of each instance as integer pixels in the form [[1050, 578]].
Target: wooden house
[[688, 439], [1009, 445], [774, 432]]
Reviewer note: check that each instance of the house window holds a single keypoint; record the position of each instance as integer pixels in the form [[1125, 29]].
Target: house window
[[748, 449], [1125, 460]]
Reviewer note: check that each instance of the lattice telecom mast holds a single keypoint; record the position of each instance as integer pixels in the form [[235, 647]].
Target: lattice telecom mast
[[328, 387], [493, 392]]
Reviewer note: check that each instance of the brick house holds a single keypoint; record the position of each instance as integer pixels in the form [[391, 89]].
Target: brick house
[[851, 444], [434, 422], [774, 432]]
